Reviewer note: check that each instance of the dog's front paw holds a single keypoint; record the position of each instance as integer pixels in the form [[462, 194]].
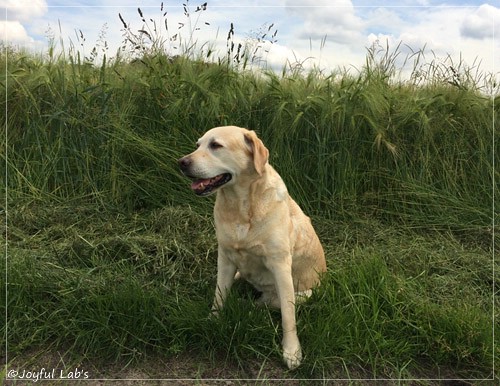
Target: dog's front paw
[[292, 357], [215, 312]]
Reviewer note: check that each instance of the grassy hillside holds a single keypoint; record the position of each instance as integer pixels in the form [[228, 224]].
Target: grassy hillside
[[111, 259], [417, 154]]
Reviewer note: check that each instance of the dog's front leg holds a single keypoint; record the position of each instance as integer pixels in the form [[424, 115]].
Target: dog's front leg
[[225, 278], [292, 353]]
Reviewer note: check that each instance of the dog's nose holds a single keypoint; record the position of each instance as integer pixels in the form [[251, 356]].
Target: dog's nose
[[184, 163]]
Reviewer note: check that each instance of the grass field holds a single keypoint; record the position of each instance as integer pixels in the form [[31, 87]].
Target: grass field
[[104, 285], [110, 259]]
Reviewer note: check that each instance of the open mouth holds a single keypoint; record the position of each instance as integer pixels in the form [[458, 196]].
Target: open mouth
[[205, 186]]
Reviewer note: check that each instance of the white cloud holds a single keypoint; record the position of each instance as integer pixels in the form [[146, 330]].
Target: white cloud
[[25, 10], [276, 55], [384, 20], [335, 18], [302, 24], [432, 27], [446, 33], [14, 33], [18, 13], [440, 31], [482, 23]]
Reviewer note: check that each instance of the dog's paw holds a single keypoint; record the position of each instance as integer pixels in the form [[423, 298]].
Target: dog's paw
[[215, 312], [293, 357]]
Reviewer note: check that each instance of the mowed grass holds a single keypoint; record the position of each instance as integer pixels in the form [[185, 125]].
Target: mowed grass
[[111, 259], [104, 286]]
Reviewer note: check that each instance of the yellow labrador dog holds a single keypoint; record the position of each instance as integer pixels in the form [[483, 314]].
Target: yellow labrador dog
[[263, 236]]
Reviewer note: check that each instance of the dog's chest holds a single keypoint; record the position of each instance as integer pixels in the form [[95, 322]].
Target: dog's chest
[[239, 237], [247, 254], [241, 231]]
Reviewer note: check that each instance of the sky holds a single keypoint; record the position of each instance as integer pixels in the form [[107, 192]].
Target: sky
[[326, 34]]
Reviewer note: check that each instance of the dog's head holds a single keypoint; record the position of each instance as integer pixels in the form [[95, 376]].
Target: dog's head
[[224, 155]]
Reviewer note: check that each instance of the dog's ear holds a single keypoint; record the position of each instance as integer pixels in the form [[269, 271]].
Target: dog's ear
[[259, 151]]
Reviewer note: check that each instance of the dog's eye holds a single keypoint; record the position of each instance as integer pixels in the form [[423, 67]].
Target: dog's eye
[[215, 145]]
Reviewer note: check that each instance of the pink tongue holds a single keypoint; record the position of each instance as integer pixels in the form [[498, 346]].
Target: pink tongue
[[200, 184]]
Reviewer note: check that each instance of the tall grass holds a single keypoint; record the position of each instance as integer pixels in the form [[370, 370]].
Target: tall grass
[[420, 154]]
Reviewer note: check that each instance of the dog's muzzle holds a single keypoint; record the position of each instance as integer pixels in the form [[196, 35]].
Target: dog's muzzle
[[203, 186]]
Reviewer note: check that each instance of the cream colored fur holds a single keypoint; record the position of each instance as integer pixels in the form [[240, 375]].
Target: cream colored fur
[[263, 236]]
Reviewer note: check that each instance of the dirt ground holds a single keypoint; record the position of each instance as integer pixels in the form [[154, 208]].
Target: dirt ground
[[185, 369]]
